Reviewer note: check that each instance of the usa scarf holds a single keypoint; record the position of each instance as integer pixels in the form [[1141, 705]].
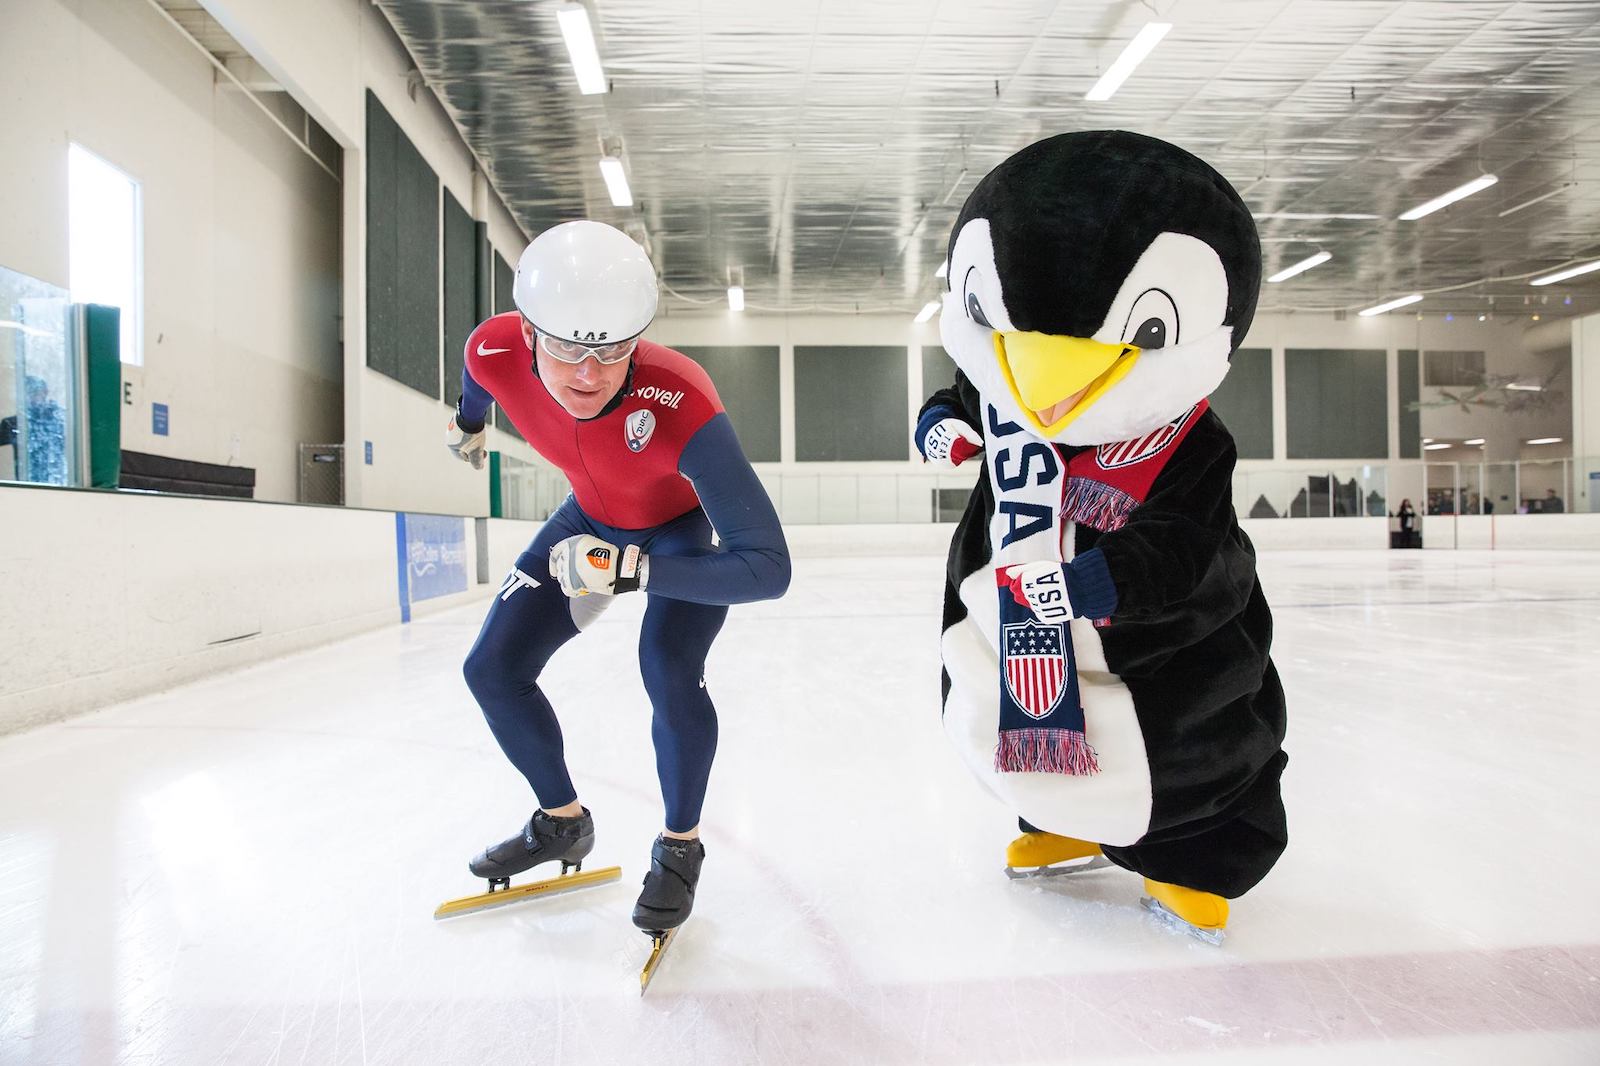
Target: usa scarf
[[1041, 492]]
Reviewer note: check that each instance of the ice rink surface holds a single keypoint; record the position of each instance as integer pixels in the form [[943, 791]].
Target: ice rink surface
[[244, 870]]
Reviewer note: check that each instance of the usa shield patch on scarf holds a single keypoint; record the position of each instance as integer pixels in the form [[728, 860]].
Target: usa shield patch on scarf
[[1041, 715]]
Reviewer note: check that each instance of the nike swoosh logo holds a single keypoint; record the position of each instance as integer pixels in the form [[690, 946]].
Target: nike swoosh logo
[[490, 351]]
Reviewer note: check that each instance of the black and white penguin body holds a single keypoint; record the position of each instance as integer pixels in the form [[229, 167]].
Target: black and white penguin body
[[1099, 284]]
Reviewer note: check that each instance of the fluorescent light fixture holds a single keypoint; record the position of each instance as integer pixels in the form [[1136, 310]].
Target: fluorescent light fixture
[[1459, 193], [1427, 440], [736, 297], [929, 309], [1544, 440], [616, 181], [1314, 216], [1415, 297], [1435, 447], [1142, 45], [1541, 198], [1301, 267], [1475, 441], [1526, 388], [1570, 272], [944, 269], [579, 35]]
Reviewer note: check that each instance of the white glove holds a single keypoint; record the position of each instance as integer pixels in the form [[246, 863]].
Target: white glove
[[1043, 587], [950, 442], [584, 564], [468, 447]]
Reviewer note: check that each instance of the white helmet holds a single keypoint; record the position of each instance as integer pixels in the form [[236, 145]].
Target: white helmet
[[587, 282]]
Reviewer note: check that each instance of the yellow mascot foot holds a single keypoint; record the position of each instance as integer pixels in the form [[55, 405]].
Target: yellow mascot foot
[[1045, 855], [1201, 914]]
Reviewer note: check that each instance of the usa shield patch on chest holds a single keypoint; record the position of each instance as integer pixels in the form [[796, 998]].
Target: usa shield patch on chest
[[638, 428]]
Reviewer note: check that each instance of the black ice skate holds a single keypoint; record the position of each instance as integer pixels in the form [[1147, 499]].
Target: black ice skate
[[545, 838], [668, 896]]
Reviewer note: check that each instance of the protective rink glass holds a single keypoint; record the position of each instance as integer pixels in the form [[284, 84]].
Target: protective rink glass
[[573, 353]]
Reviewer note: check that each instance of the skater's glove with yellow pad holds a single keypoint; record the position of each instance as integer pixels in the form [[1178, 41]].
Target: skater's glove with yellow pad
[[584, 565]]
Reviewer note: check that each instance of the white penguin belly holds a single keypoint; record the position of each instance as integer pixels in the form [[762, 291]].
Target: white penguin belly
[[1109, 807]]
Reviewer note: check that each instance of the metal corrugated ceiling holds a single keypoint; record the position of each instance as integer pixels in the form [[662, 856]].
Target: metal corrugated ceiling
[[818, 150]]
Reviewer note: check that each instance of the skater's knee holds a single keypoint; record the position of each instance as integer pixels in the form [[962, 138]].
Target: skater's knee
[[667, 680], [490, 676]]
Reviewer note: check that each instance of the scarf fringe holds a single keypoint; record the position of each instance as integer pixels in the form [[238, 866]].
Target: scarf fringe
[[1045, 751], [1096, 504]]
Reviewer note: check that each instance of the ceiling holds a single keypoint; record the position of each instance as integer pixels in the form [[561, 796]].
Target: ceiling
[[819, 150]]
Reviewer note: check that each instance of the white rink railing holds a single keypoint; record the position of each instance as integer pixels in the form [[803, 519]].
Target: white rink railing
[[819, 495]]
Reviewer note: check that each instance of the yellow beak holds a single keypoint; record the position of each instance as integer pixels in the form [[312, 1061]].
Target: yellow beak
[[1045, 371]]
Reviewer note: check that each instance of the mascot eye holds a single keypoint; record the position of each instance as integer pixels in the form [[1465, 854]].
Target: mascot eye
[[1153, 322], [975, 311]]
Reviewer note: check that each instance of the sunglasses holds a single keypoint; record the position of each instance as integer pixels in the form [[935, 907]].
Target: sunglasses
[[572, 353]]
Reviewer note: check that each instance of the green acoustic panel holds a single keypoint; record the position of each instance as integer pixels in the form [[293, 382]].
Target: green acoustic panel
[[1244, 402], [503, 276], [403, 329], [383, 241], [1410, 389], [1338, 403], [460, 291], [850, 403], [483, 268], [103, 342], [938, 370], [497, 505], [746, 378]]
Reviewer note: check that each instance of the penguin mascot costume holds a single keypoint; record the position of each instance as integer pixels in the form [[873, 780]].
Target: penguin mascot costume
[[1105, 639]]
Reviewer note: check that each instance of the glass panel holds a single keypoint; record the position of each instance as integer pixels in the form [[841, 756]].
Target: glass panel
[[1586, 485], [1543, 486], [530, 491], [38, 385], [1443, 488], [1500, 488]]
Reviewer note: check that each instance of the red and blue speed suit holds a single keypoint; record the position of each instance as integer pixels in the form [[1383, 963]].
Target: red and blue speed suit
[[662, 480]]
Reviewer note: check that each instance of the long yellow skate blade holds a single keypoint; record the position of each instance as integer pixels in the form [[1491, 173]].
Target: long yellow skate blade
[[658, 950], [550, 886]]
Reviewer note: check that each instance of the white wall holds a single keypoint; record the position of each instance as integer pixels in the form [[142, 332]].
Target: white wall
[[410, 468], [246, 275], [1586, 409], [241, 229]]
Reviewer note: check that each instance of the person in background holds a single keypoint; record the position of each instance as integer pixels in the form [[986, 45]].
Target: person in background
[[46, 432], [1552, 503]]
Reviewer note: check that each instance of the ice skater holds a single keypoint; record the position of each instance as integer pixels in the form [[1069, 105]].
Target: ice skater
[[655, 468]]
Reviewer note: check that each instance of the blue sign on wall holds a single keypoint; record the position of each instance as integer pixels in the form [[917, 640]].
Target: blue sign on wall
[[158, 419], [432, 557], [369, 453]]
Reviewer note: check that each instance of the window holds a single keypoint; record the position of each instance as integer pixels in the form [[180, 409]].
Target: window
[[104, 243], [1452, 369]]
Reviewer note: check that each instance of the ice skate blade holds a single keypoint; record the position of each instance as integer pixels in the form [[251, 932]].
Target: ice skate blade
[[1029, 873], [550, 886], [659, 943], [1168, 918]]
